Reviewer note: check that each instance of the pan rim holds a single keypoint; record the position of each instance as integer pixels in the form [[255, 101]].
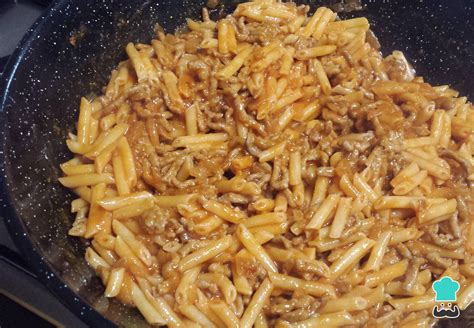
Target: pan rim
[[39, 265]]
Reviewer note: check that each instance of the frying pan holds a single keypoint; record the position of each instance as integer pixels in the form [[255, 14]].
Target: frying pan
[[71, 50]]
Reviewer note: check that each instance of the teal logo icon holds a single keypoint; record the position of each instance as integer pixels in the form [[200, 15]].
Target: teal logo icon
[[445, 290]]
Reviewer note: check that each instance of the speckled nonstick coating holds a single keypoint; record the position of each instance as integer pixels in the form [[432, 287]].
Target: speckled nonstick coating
[[47, 75]]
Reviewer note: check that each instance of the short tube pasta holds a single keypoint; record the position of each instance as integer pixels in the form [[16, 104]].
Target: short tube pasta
[[295, 168], [205, 253], [341, 217], [337, 319], [248, 240], [256, 304], [378, 251], [386, 274], [224, 212], [151, 315], [312, 287], [195, 315], [114, 282], [224, 284], [350, 257], [185, 287], [323, 213], [354, 303]]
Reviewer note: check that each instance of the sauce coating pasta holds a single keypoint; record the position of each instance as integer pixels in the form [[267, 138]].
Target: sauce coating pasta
[[273, 169]]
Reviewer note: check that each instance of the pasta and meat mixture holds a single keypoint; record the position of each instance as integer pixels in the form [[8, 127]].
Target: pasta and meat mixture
[[272, 169]]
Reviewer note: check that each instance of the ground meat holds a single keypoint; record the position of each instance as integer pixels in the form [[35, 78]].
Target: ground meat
[[295, 309]]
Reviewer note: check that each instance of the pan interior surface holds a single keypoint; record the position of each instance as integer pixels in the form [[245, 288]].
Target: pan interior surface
[[72, 50]]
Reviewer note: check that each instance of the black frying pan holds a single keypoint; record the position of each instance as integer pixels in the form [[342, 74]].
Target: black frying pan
[[48, 73]]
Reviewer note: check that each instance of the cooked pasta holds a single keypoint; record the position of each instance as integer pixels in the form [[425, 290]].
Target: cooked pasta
[[272, 169]]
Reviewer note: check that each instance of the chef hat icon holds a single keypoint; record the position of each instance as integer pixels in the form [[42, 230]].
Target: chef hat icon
[[445, 289]]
